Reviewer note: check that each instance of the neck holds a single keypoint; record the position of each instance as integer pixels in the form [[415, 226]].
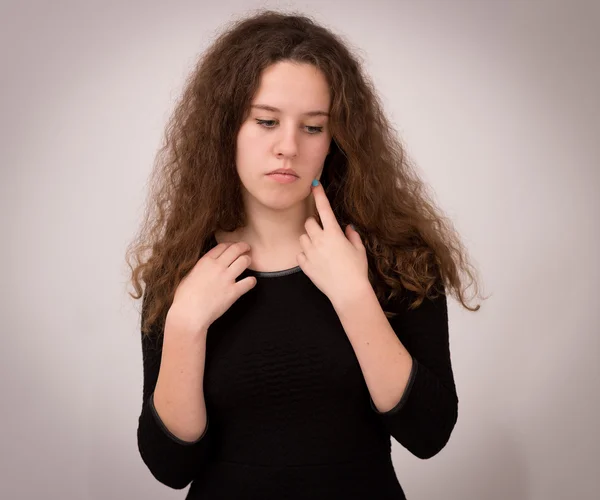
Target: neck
[[270, 230]]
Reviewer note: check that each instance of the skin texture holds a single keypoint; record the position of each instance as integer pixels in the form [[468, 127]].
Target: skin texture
[[289, 138]]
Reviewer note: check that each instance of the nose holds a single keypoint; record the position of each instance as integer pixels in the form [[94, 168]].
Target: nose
[[287, 144]]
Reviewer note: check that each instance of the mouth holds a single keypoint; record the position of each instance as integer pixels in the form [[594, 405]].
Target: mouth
[[283, 178], [284, 171]]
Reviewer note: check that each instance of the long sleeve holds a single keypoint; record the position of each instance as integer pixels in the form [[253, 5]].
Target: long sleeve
[[171, 461], [427, 412]]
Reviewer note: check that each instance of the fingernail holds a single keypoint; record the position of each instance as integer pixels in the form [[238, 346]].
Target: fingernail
[[352, 226], [315, 182]]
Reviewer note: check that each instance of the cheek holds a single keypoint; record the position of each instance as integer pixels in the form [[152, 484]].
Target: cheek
[[319, 150], [243, 136], [248, 143]]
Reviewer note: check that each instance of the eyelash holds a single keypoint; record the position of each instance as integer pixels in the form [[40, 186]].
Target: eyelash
[[318, 130]]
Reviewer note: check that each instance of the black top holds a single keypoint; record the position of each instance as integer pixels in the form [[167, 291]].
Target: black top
[[289, 413]]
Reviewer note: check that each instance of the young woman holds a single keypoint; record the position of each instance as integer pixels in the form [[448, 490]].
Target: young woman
[[282, 348]]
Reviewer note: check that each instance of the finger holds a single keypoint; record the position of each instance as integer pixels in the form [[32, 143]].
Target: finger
[[312, 228], [323, 206]]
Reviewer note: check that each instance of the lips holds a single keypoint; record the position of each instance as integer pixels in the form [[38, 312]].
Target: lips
[[284, 171]]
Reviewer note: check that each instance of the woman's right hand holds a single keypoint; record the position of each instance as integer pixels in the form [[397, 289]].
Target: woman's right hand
[[209, 289]]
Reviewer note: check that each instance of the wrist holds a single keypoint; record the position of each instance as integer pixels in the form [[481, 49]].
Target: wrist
[[178, 323]]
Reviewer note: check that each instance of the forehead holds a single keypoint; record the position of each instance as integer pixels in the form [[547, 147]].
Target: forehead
[[293, 88]]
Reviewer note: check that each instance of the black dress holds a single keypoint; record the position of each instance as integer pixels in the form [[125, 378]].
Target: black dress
[[289, 413]]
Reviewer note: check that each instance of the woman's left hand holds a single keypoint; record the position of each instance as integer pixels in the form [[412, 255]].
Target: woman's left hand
[[336, 262]]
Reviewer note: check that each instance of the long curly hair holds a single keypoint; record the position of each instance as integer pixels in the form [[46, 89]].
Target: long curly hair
[[368, 178]]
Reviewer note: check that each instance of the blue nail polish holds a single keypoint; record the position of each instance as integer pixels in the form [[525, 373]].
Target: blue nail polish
[[352, 226], [315, 182]]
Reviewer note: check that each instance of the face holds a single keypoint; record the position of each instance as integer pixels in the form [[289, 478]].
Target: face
[[289, 137]]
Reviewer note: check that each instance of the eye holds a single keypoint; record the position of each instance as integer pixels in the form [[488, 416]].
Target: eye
[[315, 130], [265, 122], [268, 124]]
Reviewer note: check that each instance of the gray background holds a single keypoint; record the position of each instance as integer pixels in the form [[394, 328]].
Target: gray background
[[497, 102]]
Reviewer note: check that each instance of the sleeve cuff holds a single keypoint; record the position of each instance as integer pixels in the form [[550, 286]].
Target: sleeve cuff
[[169, 434], [405, 395]]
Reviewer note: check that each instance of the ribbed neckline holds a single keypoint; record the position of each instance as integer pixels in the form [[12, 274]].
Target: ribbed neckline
[[273, 274]]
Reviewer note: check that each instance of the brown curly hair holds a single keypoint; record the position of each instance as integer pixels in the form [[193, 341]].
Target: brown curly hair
[[367, 176]]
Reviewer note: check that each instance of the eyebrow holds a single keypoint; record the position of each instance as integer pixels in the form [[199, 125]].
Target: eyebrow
[[277, 110]]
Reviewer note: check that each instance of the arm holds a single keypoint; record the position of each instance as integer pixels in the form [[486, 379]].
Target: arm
[[407, 368], [173, 436]]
